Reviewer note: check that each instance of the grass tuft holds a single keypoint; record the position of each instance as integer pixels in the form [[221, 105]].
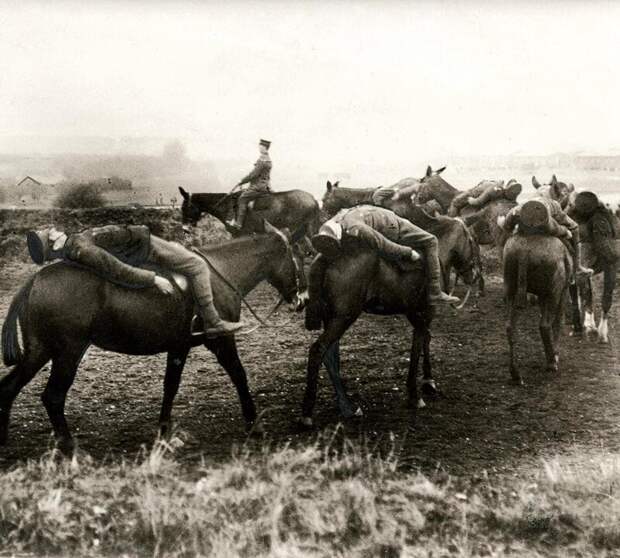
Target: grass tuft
[[327, 499]]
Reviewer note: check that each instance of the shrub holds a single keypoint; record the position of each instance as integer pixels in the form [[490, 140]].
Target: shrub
[[80, 195]]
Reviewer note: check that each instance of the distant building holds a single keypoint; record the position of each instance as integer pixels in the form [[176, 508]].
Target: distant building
[[28, 182], [31, 189]]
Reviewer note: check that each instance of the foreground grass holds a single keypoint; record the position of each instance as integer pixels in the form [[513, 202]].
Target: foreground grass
[[315, 501]]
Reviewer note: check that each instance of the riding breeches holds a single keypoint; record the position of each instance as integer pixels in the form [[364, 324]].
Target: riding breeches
[[409, 237], [244, 199], [175, 257]]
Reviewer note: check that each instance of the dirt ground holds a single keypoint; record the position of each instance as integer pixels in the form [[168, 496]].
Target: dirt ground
[[481, 423]]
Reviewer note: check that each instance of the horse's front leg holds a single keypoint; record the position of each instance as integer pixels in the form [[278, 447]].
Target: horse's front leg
[[334, 330], [587, 299], [609, 282], [174, 368], [332, 362], [225, 350]]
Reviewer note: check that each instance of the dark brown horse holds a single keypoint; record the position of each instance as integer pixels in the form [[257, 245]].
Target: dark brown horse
[[540, 265], [294, 210], [457, 248], [63, 310], [361, 281]]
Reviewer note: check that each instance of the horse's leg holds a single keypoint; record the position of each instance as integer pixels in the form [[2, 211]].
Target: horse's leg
[[174, 367], [225, 350], [547, 306], [417, 345], [609, 281], [64, 366], [511, 333], [575, 305], [334, 330], [10, 386], [331, 359], [429, 387], [588, 319]]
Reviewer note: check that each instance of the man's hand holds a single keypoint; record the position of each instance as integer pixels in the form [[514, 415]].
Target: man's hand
[[568, 234], [164, 285], [501, 219], [415, 256]]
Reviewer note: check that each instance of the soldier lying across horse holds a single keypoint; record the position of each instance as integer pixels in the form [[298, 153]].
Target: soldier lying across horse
[[383, 250]]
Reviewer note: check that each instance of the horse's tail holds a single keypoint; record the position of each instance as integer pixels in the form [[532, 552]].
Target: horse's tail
[[521, 300], [11, 350]]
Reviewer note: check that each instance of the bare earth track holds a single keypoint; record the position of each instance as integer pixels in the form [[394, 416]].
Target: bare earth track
[[481, 423]]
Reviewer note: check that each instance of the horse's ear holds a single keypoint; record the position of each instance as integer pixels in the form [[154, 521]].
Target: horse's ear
[[329, 186], [439, 171], [553, 181], [184, 193], [571, 187], [429, 171], [535, 182]]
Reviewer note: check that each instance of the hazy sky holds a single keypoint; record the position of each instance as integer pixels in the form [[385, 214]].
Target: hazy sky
[[325, 81]]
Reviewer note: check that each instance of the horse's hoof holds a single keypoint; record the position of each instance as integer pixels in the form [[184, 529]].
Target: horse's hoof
[[255, 429], [429, 389], [352, 414], [603, 340], [66, 446], [305, 424]]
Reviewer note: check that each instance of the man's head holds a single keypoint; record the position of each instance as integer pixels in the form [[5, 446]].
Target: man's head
[[263, 146], [512, 190], [586, 203], [327, 241], [46, 244]]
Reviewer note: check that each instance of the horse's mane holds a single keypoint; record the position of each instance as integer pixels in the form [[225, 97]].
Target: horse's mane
[[436, 225]]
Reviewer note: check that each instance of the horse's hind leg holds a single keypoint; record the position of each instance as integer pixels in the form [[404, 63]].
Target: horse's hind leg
[[15, 380], [225, 350], [511, 334], [609, 282], [174, 367], [64, 367], [547, 307], [588, 318]]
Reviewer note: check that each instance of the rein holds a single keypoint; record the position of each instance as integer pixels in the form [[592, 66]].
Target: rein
[[243, 299]]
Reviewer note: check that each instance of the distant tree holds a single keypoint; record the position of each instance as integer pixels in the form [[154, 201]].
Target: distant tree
[[175, 155], [3, 195], [80, 196]]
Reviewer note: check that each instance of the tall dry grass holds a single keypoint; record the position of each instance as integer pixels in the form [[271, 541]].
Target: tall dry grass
[[319, 500]]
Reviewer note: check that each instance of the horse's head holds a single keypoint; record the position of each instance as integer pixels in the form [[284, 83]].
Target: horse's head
[[284, 272], [432, 185], [332, 202], [555, 190], [465, 254], [190, 212]]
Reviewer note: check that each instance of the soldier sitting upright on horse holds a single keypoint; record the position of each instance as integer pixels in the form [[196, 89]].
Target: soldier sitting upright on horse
[[259, 183]]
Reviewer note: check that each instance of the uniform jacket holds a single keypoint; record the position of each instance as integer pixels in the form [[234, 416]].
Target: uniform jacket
[[259, 178], [114, 252], [555, 212], [600, 231]]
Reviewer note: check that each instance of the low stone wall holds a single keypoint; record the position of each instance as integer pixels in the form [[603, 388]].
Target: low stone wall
[[15, 223]]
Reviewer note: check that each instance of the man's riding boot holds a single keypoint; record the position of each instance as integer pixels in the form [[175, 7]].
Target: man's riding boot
[[580, 272], [214, 325], [314, 318], [435, 294]]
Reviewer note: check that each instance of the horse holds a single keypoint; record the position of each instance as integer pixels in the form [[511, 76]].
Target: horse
[[482, 222], [361, 281], [64, 309], [456, 244], [292, 209], [541, 265]]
